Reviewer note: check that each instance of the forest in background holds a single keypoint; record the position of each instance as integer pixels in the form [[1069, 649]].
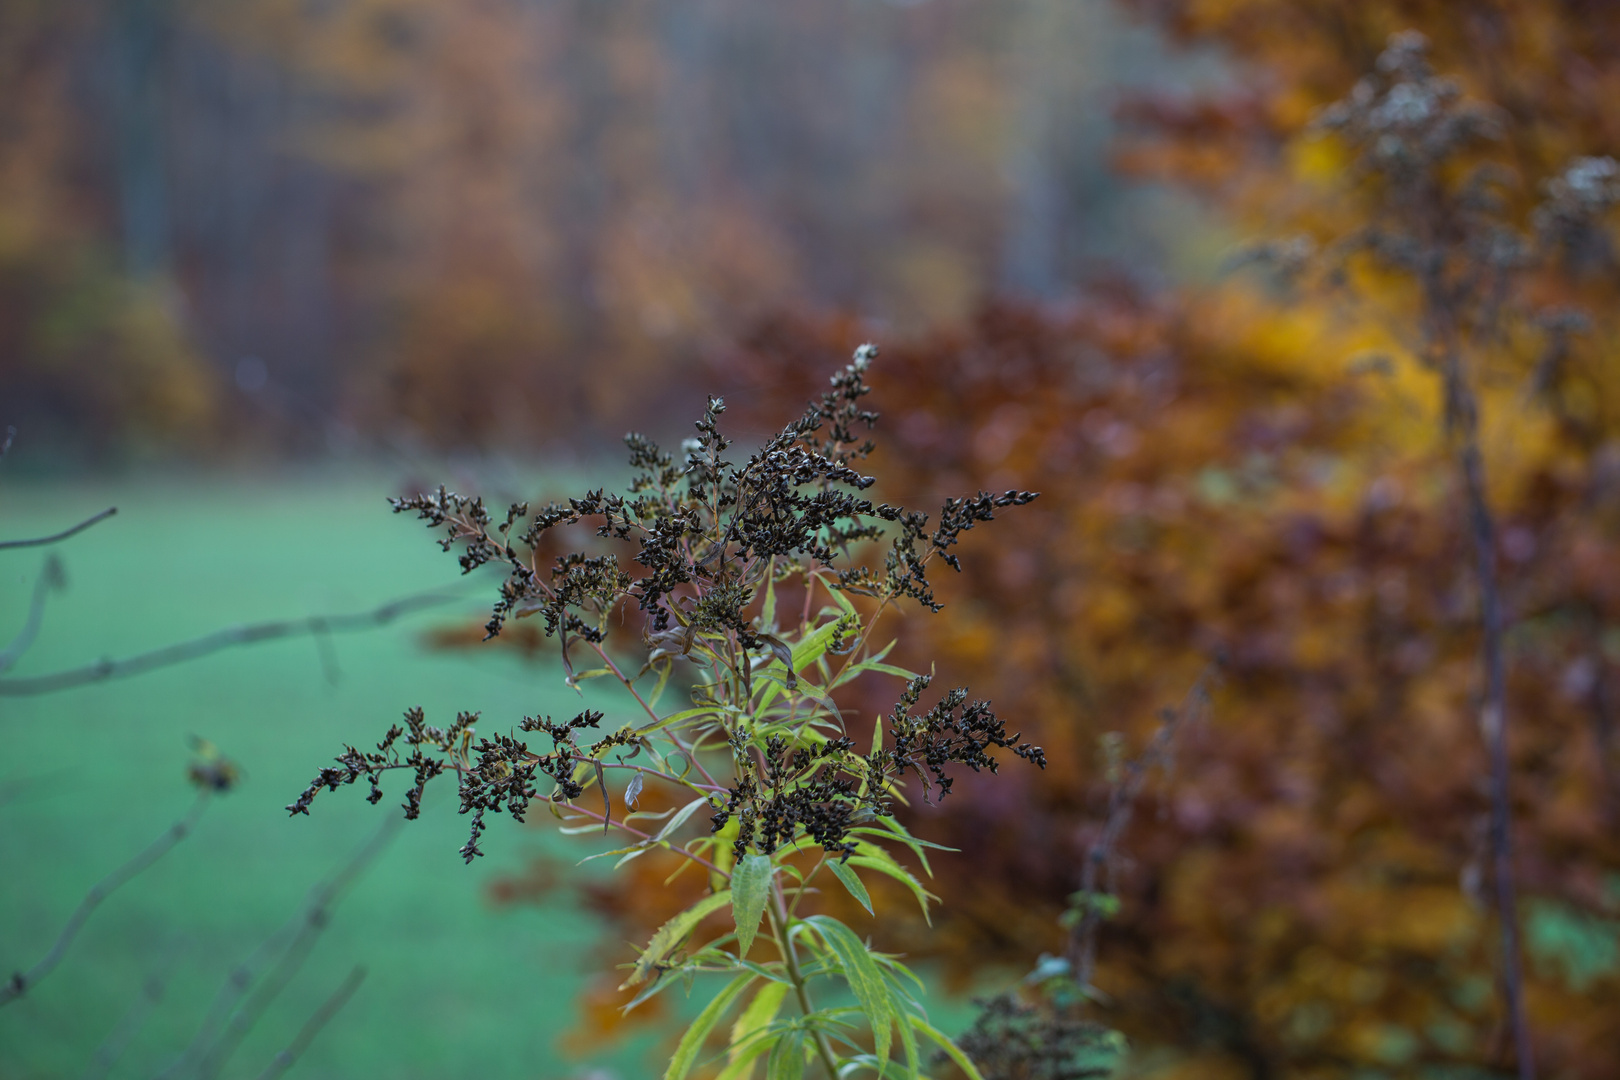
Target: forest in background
[[497, 232], [315, 225]]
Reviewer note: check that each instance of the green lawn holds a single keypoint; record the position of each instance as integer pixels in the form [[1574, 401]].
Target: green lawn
[[456, 986]]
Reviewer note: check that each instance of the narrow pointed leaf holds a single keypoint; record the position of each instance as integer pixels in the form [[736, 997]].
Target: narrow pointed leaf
[[863, 976], [741, 1067], [760, 1011], [750, 885], [691, 1044], [673, 933], [680, 818], [787, 1058], [952, 1051], [875, 858], [852, 882]]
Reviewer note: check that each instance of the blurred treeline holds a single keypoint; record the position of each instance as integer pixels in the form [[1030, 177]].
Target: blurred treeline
[[295, 223]]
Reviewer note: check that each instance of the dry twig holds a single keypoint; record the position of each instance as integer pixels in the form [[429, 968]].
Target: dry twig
[[250, 634], [23, 981], [312, 1027], [41, 541], [212, 1047]]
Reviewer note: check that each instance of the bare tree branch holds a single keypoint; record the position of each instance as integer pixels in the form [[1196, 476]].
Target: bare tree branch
[[50, 578], [211, 1048], [1481, 524], [248, 634], [312, 1027], [41, 541], [23, 981]]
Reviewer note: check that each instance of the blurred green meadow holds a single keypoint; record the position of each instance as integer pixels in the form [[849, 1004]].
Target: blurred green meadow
[[89, 776]]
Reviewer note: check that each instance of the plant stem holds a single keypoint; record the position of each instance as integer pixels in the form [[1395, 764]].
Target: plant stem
[[790, 956], [23, 981], [1461, 405], [1493, 721]]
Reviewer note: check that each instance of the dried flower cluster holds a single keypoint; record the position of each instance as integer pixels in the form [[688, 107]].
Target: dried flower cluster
[[707, 534], [1013, 1041], [711, 542]]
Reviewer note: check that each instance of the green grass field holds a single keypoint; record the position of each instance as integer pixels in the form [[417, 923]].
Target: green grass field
[[456, 986]]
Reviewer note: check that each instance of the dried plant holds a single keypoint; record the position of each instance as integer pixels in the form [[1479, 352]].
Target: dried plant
[[1439, 216], [715, 547]]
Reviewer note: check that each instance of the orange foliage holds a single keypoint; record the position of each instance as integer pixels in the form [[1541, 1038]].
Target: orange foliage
[[1261, 478], [84, 351], [1303, 893]]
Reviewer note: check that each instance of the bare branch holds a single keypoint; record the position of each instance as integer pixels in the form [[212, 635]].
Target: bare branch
[[41, 541], [249, 634], [50, 577], [312, 1027], [212, 1048], [23, 981]]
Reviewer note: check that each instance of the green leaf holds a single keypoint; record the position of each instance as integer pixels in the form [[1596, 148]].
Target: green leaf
[[893, 830], [593, 673], [952, 1051], [675, 718], [750, 885], [760, 1011], [787, 1058], [852, 882], [810, 648], [842, 601], [873, 857], [680, 818], [663, 681], [673, 933], [908, 1042], [691, 1044], [634, 849], [741, 1067], [769, 971], [863, 976]]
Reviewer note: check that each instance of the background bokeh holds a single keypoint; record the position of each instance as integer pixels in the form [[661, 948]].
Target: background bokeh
[[264, 263]]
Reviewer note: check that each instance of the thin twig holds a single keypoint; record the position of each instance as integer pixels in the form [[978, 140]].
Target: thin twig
[[1082, 948], [300, 935], [1493, 715], [41, 541], [249, 634], [23, 981], [312, 1027], [50, 577]]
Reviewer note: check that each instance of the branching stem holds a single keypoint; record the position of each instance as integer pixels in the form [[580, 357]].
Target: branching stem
[[23, 981], [780, 924]]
